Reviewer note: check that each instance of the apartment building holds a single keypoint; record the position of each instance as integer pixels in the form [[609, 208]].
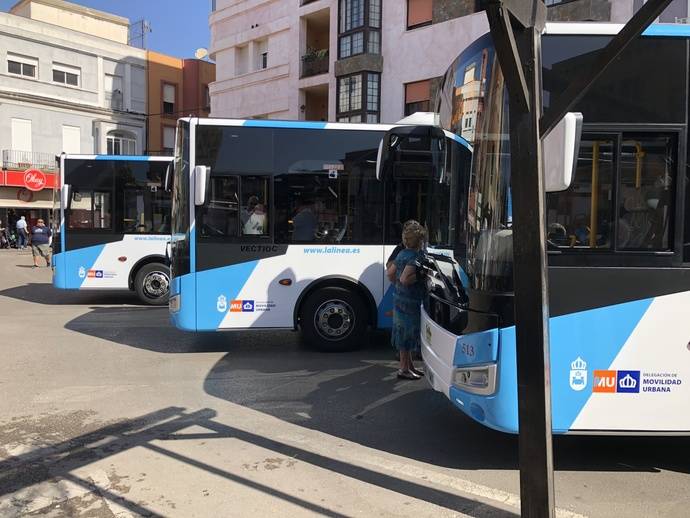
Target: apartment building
[[176, 88], [349, 60], [68, 82]]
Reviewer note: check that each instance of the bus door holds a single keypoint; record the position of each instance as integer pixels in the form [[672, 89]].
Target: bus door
[[408, 175]]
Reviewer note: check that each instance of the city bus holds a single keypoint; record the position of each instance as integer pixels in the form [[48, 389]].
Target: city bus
[[113, 225], [618, 242], [281, 224]]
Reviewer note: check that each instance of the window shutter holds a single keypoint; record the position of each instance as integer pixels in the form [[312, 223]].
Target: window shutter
[[418, 12], [169, 94], [418, 91]]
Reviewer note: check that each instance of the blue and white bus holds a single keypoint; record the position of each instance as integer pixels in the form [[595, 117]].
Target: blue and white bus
[[114, 225], [285, 224], [618, 243]]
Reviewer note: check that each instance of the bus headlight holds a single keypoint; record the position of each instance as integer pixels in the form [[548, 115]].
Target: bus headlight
[[478, 379], [174, 303]]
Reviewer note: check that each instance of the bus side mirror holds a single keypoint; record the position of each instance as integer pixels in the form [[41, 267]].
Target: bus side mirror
[[167, 183], [393, 138], [201, 174], [560, 149], [66, 194]]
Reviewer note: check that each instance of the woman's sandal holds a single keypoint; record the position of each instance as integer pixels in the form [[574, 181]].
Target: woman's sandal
[[407, 375], [417, 372]]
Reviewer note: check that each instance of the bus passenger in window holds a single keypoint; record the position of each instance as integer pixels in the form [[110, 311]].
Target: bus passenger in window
[[407, 299], [305, 222], [249, 209], [256, 223]]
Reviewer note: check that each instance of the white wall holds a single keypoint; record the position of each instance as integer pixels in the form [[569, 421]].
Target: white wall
[[49, 105], [419, 54]]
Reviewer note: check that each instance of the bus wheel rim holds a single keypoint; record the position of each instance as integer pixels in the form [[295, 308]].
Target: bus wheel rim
[[334, 320], [156, 284]]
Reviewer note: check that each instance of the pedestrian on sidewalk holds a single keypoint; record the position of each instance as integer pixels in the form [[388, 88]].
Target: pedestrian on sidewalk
[[22, 234], [407, 298], [40, 242]]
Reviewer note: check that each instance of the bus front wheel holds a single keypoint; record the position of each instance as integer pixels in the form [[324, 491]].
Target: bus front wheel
[[334, 319], [152, 284]]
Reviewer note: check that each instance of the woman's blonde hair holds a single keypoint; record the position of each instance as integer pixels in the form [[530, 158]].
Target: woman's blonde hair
[[413, 234]]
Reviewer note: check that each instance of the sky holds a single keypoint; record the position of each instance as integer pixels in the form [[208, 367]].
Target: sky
[[179, 26]]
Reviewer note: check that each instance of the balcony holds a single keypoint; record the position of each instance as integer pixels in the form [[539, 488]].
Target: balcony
[[314, 62], [113, 100], [315, 33], [21, 160]]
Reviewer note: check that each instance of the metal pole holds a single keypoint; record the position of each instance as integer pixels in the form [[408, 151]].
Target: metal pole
[[531, 292], [519, 50]]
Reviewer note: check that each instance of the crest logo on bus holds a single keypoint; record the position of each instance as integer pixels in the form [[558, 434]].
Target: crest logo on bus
[[578, 374], [82, 272], [222, 304]]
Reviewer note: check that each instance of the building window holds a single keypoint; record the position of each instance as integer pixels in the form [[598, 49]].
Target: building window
[[207, 98], [71, 139], [260, 54], [351, 14], [375, 13], [66, 75], [352, 105], [168, 139], [417, 97], [358, 28], [419, 13], [121, 143], [21, 66], [21, 135], [113, 92], [241, 60], [169, 98]]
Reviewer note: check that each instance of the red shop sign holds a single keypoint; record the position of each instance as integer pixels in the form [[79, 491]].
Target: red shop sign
[[34, 180]]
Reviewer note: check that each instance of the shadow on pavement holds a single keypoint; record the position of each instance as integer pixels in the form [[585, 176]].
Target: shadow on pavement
[[152, 431], [44, 293], [355, 396]]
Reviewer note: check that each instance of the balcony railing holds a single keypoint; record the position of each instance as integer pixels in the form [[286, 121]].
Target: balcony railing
[[314, 62], [13, 159]]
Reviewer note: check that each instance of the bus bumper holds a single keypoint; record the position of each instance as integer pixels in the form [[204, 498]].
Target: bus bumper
[[182, 304], [466, 370]]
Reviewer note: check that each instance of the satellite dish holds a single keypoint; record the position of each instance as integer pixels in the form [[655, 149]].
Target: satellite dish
[[201, 53]]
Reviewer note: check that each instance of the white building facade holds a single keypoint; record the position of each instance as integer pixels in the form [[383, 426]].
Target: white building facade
[[68, 83], [352, 60]]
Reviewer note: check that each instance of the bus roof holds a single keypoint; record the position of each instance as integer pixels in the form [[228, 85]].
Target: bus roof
[[124, 158], [678, 30], [269, 123]]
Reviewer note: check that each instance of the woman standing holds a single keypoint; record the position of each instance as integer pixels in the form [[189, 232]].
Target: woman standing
[[407, 298]]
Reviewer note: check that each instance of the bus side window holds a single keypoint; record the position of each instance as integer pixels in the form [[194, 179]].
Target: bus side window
[[219, 217], [645, 195], [582, 216], [254, 214]]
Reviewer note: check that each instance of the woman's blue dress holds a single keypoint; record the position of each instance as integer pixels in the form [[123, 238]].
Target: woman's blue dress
[[406, 303]]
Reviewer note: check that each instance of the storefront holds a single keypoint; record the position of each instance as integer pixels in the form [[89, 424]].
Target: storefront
[[26, 193]]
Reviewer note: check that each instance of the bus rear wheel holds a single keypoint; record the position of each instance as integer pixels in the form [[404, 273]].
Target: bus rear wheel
[[152, 284], [334, 319]]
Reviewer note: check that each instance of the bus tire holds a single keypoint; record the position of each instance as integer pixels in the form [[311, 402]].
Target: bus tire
[[152, 284], [334, 319]]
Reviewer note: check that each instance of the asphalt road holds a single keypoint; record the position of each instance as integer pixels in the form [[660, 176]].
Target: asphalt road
[[105, 410]]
